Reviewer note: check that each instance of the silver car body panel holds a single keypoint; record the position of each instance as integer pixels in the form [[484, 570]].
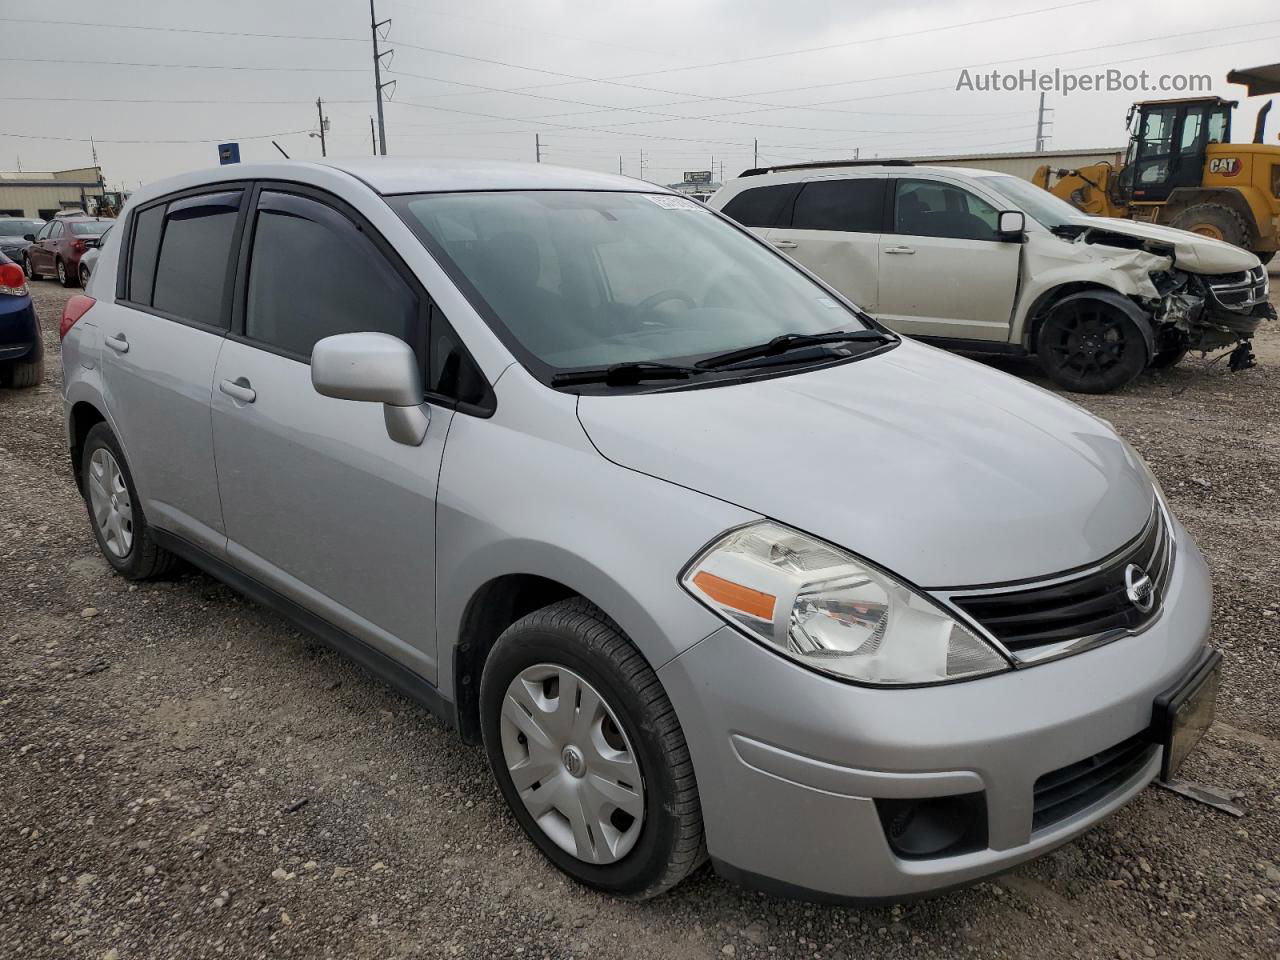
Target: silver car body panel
[[916, 459], [946, 473]]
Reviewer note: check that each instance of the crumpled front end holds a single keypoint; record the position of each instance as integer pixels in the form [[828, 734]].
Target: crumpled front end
[[1210, 311]]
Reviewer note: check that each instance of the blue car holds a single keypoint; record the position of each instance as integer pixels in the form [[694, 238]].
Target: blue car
[[21, 349]]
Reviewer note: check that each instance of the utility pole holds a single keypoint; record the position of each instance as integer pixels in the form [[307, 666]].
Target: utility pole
[[619, 165], [373, 137], [1041, 123], [537, 148], [755, 153], [323, 123], [642, 164], [378, 85]]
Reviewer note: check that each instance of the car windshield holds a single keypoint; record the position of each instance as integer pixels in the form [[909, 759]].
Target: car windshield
[[1041, 205], [19, 228], [91, 228], [574, 279]]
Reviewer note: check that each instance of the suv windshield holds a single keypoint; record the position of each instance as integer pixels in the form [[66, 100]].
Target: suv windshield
[[1041, 205], [19, 228], [574, 279]]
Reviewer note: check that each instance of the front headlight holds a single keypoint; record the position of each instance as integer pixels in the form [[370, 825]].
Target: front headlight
[[830, 611]]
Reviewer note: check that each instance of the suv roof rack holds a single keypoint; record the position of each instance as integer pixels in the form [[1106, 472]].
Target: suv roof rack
[[818, 164]]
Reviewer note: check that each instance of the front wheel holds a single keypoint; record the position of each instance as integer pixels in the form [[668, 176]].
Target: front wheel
[[1089, 346], [29, 270], [588, 753]]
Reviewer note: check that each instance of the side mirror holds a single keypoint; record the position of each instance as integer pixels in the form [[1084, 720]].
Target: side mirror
[[28, 236], [374, 368], [1012, 225]]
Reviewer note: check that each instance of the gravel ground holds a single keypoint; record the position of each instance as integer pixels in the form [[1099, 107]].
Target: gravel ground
[[182, 774]]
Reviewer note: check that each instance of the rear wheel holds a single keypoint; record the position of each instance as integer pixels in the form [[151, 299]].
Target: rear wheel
[[63, 277], [115, 511], [588, 753], [27, 372], [1216, 221], [1089, 346]]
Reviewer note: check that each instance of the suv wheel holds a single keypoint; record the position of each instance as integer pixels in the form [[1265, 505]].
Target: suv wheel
[[588, 753], [115, 512], [1090, 347]]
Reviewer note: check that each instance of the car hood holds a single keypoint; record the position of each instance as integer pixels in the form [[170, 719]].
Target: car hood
[[944, 471], [1191, 251]]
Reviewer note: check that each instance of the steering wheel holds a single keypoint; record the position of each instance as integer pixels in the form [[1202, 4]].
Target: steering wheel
[[648, 304]]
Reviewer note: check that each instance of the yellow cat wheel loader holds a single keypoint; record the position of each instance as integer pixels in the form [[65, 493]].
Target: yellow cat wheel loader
[[1182, 169]]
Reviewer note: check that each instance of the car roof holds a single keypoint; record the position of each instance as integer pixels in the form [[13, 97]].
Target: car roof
[[396, 175], [391, 175]]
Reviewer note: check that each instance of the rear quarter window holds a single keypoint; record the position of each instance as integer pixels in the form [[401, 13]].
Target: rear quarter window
[[763, 206]]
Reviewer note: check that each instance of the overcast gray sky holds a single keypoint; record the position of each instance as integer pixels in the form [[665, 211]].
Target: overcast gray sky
[[594, 80]]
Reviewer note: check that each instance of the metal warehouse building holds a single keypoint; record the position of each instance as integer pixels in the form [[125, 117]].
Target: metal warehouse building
[[29, 194], [1024, 164]]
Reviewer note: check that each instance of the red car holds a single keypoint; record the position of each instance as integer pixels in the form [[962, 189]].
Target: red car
[[57, 248]]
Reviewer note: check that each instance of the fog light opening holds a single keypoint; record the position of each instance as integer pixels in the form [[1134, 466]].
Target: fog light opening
[[935, 826]]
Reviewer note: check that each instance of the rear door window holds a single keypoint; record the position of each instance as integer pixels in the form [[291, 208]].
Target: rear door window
[[851, 206], [763, 206], [195, 250], [313, 274]]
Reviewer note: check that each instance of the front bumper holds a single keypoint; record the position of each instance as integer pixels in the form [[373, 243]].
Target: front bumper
[[790, 763]]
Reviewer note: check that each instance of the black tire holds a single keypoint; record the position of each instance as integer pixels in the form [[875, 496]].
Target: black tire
[[1090, 346], [1265, 256], [578, 635], [64, 276], [145, 559], [1170, 349], [27, 268], [1224, 221], [27, 372]]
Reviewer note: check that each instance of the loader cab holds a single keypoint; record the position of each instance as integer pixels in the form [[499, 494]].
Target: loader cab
[[1168, 140]]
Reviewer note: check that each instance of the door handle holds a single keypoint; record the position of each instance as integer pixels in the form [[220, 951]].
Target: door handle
[[900, 250], [784, 244], [118, 343], [238, 389]]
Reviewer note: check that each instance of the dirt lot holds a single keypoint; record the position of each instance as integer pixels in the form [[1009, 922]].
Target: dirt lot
[[183, 775]]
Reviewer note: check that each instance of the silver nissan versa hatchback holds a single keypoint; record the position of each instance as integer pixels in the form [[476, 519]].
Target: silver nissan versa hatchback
[[712, 564]]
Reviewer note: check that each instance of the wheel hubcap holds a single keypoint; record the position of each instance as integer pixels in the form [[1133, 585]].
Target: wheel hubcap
[[1205, 230], [109, 500], [1086, 342], [571, 764], [62, 271]]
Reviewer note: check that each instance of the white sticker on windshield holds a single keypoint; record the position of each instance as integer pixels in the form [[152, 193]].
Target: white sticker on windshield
[[672, 203], [828, 303]]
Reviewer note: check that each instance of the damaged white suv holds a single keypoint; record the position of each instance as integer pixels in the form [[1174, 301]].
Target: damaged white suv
[[987, 263]]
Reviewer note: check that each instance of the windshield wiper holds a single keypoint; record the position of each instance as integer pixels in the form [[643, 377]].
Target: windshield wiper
[[625, 374], [793, 341]]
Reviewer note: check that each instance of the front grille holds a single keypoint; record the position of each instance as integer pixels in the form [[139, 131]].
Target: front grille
[[1240, 291], [1065, 792], [1089, 604]]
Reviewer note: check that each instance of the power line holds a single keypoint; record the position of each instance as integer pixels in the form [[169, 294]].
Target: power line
[[150, 100], [256, 136], [186, 66], [212, 33]]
